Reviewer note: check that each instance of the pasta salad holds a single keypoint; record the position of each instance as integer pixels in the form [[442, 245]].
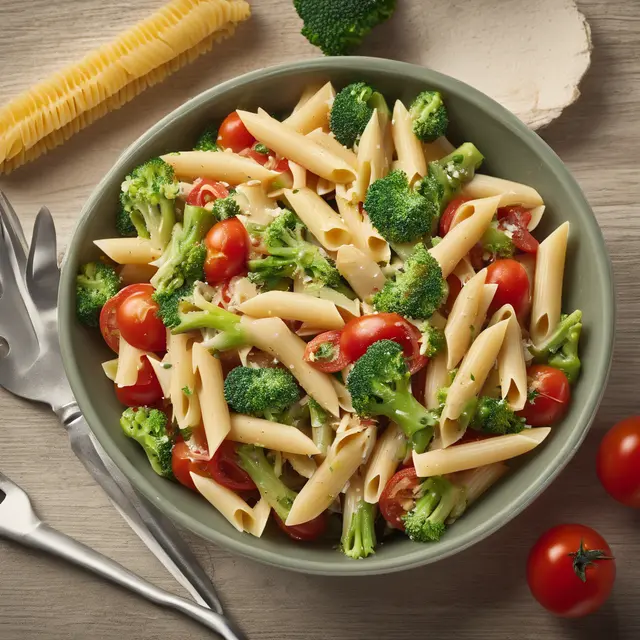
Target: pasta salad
[[332, 319]]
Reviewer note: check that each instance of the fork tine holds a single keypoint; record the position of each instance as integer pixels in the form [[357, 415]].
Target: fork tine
[[14, 237], [42, 273]]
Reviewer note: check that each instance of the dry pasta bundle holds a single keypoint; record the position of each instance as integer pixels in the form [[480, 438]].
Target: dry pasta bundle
[[49, 113], [281, 329]]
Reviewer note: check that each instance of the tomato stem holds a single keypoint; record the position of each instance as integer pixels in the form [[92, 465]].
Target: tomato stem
[[583, 558]]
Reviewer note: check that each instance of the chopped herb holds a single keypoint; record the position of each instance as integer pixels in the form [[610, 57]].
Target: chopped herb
[[166, 365], [187, 391], [261, 148], [532, 395], [296, 190], [473, 378], [325, 352]]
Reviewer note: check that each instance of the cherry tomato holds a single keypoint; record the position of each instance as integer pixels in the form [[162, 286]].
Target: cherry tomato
[[549, 395], [571, 570], [398, 496], [447, 216], [225, 470], [139, 324], [205, 190], [182, 464], [332, 359], [227, 250], [619, 462], [418, 383], [145, 392], [518, 217], [307, 531], [455, 287], [513, 285], [360, 333], [108, 320], [233, 135]]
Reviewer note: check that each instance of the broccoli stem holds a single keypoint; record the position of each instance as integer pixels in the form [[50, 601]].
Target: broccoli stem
[[426, 521], [321, 431], [359, 539]]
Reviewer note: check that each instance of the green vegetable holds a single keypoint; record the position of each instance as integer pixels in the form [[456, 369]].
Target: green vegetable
[[429, 116], [224, 208], [417, 292], [95, 284], [208, 140], [380, 384], [321, 431], [495, 416], [359, 535], [262, 148], [337, 27], [496, 242], [148, 427], [432, 340], [262, 392]]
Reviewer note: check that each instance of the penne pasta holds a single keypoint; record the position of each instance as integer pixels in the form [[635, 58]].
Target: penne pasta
[[488, 292], [255, 204], [184, 400], [314, 112], [363, 274], [130, 361], [385, 459], [411, 158], [299, 175], [437, 378], [479, 480], [162, 369], [437, 149], [110, 368], [136, 273], [482, 186], [304, 465], [128, 250], [330, 144], [372, 162]]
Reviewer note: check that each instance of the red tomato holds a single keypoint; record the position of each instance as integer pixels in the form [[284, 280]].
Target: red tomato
[[139, 324], [619, 462], [279, 164], [418, 383], [108, 320], [227, 250], [399, 496], [518, 217], [360, 333], [145, 392], [447, 216], [455, 287], [205, 190], [225, 470], [233, 135], [306, 531], [182, 464], [549, 395], [570, 570], [513, 285], [336, 360]]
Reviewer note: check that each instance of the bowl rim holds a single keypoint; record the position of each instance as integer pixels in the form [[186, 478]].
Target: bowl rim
[[244, 547]]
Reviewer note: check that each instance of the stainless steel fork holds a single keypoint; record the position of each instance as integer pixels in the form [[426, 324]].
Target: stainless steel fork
[[19, 522]]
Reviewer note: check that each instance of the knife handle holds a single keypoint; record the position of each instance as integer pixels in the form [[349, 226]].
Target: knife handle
[[154, 529], [47, 539]]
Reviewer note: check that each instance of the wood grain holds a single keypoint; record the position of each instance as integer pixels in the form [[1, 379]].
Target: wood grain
[[480, 593]]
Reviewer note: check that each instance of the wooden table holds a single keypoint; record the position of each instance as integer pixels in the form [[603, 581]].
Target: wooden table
[[480, 593]]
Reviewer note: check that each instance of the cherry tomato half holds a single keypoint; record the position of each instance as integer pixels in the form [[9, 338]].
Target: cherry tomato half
[[618, 462], [227, 250], [139, 324], [145, 392], [360, 333], [455, 287], [182, 464], [225, 470], [233, 135], [108, 315], [571, 570], [324, 353], [518, 218], [307, 531], [448, 214], [398, 497], [513, 285], [549, 395], [205, 190]]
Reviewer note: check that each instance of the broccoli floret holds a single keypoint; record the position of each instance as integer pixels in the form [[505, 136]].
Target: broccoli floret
[[398, 211], [380, 384], [224, 208], [184, 258], [95, 284], [359, 535], [561, 349], [446, 176], [148, 195], [429, 116], [351, 111], [432, 340], [417, 292], [208, 140], [437, 498], [337, 27], [261, 392], [495, 416], [148, 427], [496, 242], [291, 255]]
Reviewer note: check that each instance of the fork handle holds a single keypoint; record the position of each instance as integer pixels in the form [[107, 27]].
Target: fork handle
[[48, 539]]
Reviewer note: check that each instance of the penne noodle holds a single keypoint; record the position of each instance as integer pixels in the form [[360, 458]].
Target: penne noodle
[[324, 187], [130, 361], [372, 163], [110, 368], [385, 459], [184, 400], [488, 292], [128, 250], [344, 397], [482, 186], [477, 481], [136, 273], [363, 274], [477, 454], [347, 308], [437, 378], [411, 158], [437, 149], [536, 216], [255, 204], [304, 465], [292, 145], [162, 369], [314, 112], [299, 175], [272, 435], [330, 144], [464, 270], [309, 91]]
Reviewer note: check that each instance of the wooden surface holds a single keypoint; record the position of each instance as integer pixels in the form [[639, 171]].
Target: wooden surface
[[480, 593]]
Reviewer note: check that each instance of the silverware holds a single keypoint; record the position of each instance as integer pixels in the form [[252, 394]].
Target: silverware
[[19, 522], [31, 367]]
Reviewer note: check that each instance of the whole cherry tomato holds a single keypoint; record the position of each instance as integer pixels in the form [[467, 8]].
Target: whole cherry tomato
[[227, 250], [139, 323], [513, 285], [307, 531], [233, 135], [549, 395]]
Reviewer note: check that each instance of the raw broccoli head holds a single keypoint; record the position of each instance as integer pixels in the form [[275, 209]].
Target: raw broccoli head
[[432, 340], [95, 284], [399, 212], [208, 140], [224, 208], [359, 538], [338, 26], [148, 427], [264, 392], [417, 292], [380, 384], [351, 111], [429, 116], [436, 500], [124, 224], [495, 416]]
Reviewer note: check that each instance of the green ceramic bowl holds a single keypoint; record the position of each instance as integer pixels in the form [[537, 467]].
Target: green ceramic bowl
[[511, 150]]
